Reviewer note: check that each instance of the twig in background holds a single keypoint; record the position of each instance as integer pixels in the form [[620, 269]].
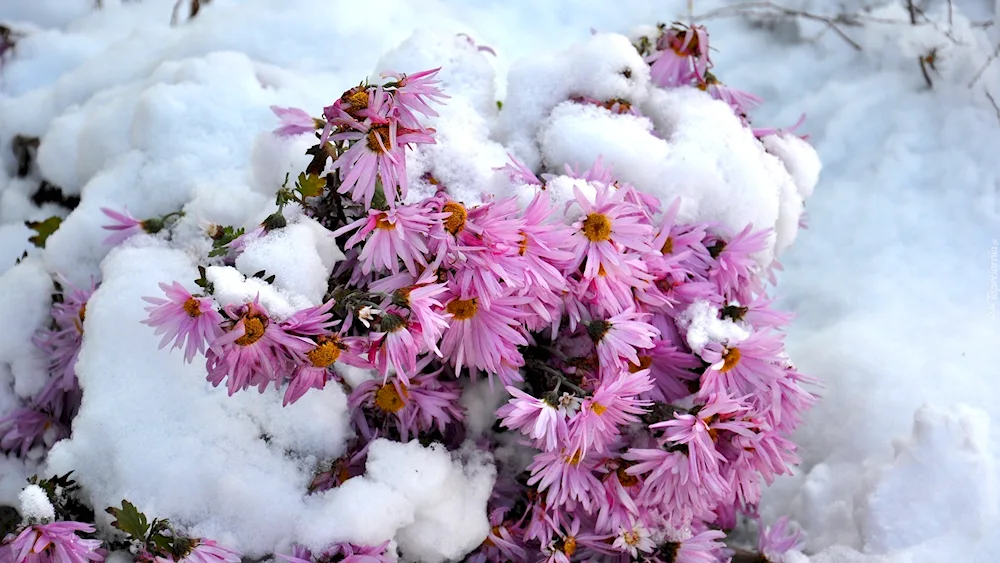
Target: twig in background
[[986, 65], [772, 9], [996, 108]]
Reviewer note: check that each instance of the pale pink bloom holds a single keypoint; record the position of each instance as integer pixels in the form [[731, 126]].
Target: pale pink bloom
[[204, 551], [316, 370], [747, 368], [545, 245], [395, 345], [634, 539], [190, 322], [703, 547], [26, 428], [484, 337], [618, 506], [55, 542], [426, 403], [615, 403], [735, 268], [414, 93], [421, 299], [62, 342], [254, 350], [399, 234], [542, 421], [618, 338], [612, 292], [605, 229], [681, 56], [500, 545], [124, 226], [761, 132], [668, 484], [344, 553], [741, 102], [294, 121], [518, 172], [779, 539], [566, 477]]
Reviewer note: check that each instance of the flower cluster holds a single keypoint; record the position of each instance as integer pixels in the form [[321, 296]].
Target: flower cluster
[[46, 417], [646, 371]]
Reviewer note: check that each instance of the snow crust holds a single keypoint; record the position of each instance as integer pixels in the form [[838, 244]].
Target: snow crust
[[35, 504]]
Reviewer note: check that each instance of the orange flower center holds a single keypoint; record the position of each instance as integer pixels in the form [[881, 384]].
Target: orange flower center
[[358, 99], [597, 227], [383, 222], [324, 354], [376, 134], [523, 247], [456, 221], [569, 546], [462, 309], [389, 399], [192, 307], [598, 408], [644, 363], [82, 315], [730, 359], [668, 246], [624, 478], [253, 328]]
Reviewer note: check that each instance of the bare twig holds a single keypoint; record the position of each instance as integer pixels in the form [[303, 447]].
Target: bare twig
[[772, 9], [996, 108], [982, 69], [913, 12], [923, 70]]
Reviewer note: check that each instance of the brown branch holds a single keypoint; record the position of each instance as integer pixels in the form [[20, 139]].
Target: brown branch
[[772, 9], [982, 69], [996, 108], [923, 70]]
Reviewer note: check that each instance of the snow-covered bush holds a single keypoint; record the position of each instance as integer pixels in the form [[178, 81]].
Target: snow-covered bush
[[526, 330]]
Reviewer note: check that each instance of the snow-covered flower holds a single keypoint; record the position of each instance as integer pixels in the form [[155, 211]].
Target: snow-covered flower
[[54, 542], [190, 322]]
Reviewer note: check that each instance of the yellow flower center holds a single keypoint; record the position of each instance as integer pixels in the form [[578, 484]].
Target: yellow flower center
[[668, 246], [192, 307], [569, 546], [631, 538], [462, 309], [324, 354], [253, 328], [644, 363], [598, 408], [389, 399], [597, 227], [575, 458], [456, 221], [624, 478], [82, 315], [358, 99], [383, 223], [730, 359], [523, 246], [377, 133]]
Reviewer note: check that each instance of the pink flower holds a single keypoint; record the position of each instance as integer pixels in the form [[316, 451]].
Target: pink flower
[[741, 102], [189, 322], [294, 121], [395, 235], [747, 368], [421, 300], [395, 345], [502, 544], [426, 403], [62, 343], [618, 337], [55, 542], [376, 154], [634, 539], [254, 350], [734, 267], [704, 547], [615, 403], [778, 539], [606, 227], [667, 483], [414, 93], [567, 477], [204, 551], [518, 172], [26, 428], [124, 226], [542, 421], [484, 337], [315, 372]]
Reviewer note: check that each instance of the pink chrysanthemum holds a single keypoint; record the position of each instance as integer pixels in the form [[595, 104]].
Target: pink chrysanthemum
[[26, 428], [566, 477], [315, 372], [62, 343], [777, 540], [484, 337], [204, 551], [295, 121], [392, 236], [542, 421], [618, 338], [254, 350], [55, 542], [414, 93], [613, 404], [124, 226], [189, 322], [395, 346], [606, 227]]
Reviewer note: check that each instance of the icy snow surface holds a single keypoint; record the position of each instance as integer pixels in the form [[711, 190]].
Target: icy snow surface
[[891, 283]]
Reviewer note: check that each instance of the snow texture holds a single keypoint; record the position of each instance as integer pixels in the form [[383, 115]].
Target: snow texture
[[35, 504]]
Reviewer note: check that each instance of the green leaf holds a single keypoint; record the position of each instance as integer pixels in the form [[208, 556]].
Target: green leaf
[[310, 185], [129, 520], [222, 238], [44, 229]]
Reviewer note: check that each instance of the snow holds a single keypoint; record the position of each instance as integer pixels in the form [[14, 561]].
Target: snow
[[35, 504], [703, 326], [889, 284]]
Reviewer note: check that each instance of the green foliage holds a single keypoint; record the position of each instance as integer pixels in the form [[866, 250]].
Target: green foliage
[[43, 230], [129, 520], [222, 238]]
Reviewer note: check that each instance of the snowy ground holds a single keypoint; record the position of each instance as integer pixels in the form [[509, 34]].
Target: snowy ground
[[890, 284]]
